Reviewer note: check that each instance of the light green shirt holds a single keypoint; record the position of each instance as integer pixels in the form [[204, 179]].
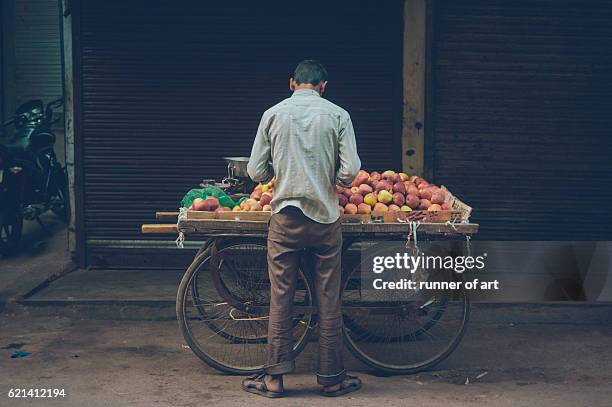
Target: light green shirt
[[309, 144]]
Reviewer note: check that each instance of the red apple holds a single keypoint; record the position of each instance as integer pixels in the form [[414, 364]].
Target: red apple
[[437, 198], [425, 194], [350, 209], [399, 187], [398, 199], [356, 199], [256, 194], [425, 204], [413, 190], [393, 208], [197, 204], [364, 209], [361, 178], [265, 199], [210, 204], [379, 209], [412, 201], [389, 175], [365, 189], [384, 185]]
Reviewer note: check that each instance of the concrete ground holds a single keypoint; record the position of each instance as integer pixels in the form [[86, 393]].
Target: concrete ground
[[39, 257], [559, 356], [134, 355]]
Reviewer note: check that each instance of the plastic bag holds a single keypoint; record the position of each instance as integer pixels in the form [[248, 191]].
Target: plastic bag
[[224, 199]]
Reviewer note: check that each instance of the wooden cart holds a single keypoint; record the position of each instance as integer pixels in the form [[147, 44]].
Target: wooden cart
[[223, 298]]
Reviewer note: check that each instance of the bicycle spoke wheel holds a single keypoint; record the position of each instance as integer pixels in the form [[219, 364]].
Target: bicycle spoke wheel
[[222, 306], [403, 331]]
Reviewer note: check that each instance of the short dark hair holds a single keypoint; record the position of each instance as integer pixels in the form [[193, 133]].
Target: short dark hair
[[310, 71]]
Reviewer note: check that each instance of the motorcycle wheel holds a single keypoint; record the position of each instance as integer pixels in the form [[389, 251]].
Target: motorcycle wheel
[[11, 227], [60, 202]]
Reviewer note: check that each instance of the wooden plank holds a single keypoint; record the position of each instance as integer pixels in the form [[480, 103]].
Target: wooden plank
[[389, 217], [256, 216], [414, 69], [166, 216], [357, 218], [404, 228], [168, 228], [422, 216], [204, 226], [237, 216], [217, 226]]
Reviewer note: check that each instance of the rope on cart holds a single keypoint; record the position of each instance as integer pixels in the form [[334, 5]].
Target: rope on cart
[[451, 224], [467, 237], [181, 236], [413, 233]]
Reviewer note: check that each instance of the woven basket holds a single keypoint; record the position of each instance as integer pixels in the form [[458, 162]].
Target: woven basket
[[459, 214]]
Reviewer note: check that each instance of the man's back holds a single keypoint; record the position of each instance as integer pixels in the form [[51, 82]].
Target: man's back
[[308, 143], [311, 144]]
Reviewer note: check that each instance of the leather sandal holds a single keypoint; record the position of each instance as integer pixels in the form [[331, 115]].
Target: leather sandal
[[348, 385], [255, 384]]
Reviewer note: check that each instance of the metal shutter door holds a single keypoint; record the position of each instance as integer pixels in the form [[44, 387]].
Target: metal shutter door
[[38, 62], [522, 115], [167, 90]]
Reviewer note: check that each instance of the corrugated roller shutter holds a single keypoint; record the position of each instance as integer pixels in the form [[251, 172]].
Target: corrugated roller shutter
[[38, 66], [522, 123], [169, 88]]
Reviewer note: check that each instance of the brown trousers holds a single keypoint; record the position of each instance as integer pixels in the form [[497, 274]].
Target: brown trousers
[[291, 235]]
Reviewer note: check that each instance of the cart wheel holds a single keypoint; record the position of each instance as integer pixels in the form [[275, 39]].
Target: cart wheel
[[403, 332], [434, 315], [232, 338]]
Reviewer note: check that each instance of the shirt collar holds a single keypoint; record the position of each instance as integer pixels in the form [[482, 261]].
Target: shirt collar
[[305, 92]]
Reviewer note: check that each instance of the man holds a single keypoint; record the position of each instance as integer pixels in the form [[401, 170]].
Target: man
[[308, 144]]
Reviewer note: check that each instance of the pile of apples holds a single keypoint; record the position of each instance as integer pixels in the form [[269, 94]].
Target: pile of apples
[[259, 200], [375, 193], [370, 193]]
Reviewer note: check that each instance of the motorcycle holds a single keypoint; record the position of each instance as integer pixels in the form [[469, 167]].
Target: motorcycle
[[32, 181]]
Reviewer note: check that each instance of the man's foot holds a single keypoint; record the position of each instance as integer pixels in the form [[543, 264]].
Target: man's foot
[[264, 385], [274, 383], [348, 385]]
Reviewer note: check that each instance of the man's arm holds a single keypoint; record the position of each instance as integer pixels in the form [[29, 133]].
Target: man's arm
[[259, 168], [347, 154]]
